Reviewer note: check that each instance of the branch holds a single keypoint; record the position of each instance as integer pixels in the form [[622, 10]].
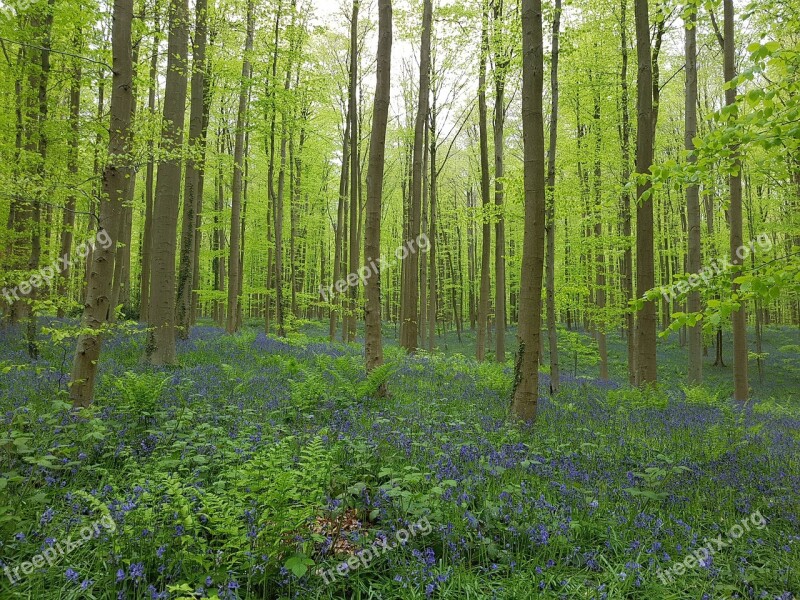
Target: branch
[[86, 58]]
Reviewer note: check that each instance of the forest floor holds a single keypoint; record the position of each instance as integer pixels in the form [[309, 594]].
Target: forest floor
[[263, 468]]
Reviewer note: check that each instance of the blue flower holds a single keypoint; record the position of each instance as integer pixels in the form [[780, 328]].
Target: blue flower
[[72, 575]]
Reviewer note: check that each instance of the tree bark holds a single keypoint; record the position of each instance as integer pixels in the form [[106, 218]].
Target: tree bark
[[740, 353], [409, 306], [645, 275], [526, 381], [486, 221], [87, 351], [373, 346], [552, 335], [695, 367], [355, 177], [232, 320], [160, 349]]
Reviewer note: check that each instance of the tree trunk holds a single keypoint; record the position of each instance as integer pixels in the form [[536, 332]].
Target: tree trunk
[[409, 306], [552, 336], [373, 348], [600, 259], [147, 235], [486, 221], [695, 367], [231, 322], [526, 381], [160, 348], [740, 354], [349, 333], [195, 164], [87, 351], [645, 275]]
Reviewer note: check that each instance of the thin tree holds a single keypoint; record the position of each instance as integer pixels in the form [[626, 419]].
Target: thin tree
[[645, 274], [695, 367], [160, 349], [373, 347], [115, 181], [195, 164], [486, 239], [349, 331], [550, 218], [232, 320], [410, 303], [740, 354], [526, 381]]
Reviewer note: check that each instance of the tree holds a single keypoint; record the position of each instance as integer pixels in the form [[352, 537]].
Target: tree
[[695, 366], [377, 152], [740, 354], [115, 182], [486, 245], [160, 348], [645, 274], [552, 335], [195, 165], [526, 381], [232, 320], [409, 306]]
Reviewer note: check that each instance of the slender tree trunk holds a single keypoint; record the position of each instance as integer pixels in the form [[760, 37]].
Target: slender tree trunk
[[552, 335], [600, 259], [349, 332], [409, 306], [373, 348], [87, 351], [695, 367], [339, 233], [526, 381], [195, 164], [432, 300], [160, 348], [645, 275], [147, 235], [231, 322], [68, 222], [486, 221], [740, 353], [625, 198]]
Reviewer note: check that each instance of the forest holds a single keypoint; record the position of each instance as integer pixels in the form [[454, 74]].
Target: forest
[[411, 299]]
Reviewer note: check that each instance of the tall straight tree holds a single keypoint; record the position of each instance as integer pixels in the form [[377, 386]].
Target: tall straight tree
[[526, 381], [486, 245], [373, 348], [195, 164], [147, 233], [232, 320], [502, 58], [695, 367], [740, 354], [409, 306], [550, 219], [160, 349], [115, 181], [645, 273], [353, 246]]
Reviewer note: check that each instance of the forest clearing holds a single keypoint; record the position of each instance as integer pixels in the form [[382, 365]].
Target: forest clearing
[[423, 299]]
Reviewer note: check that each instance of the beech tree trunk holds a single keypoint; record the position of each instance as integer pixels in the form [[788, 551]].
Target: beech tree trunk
[[695, 367], [645, 274], [550, 218], [526, 380], [195, 164], [486, 238], [160, 349], [740, 353], [373, 346], [410, 304], [115, 174], [232, 320], [349, 332]]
